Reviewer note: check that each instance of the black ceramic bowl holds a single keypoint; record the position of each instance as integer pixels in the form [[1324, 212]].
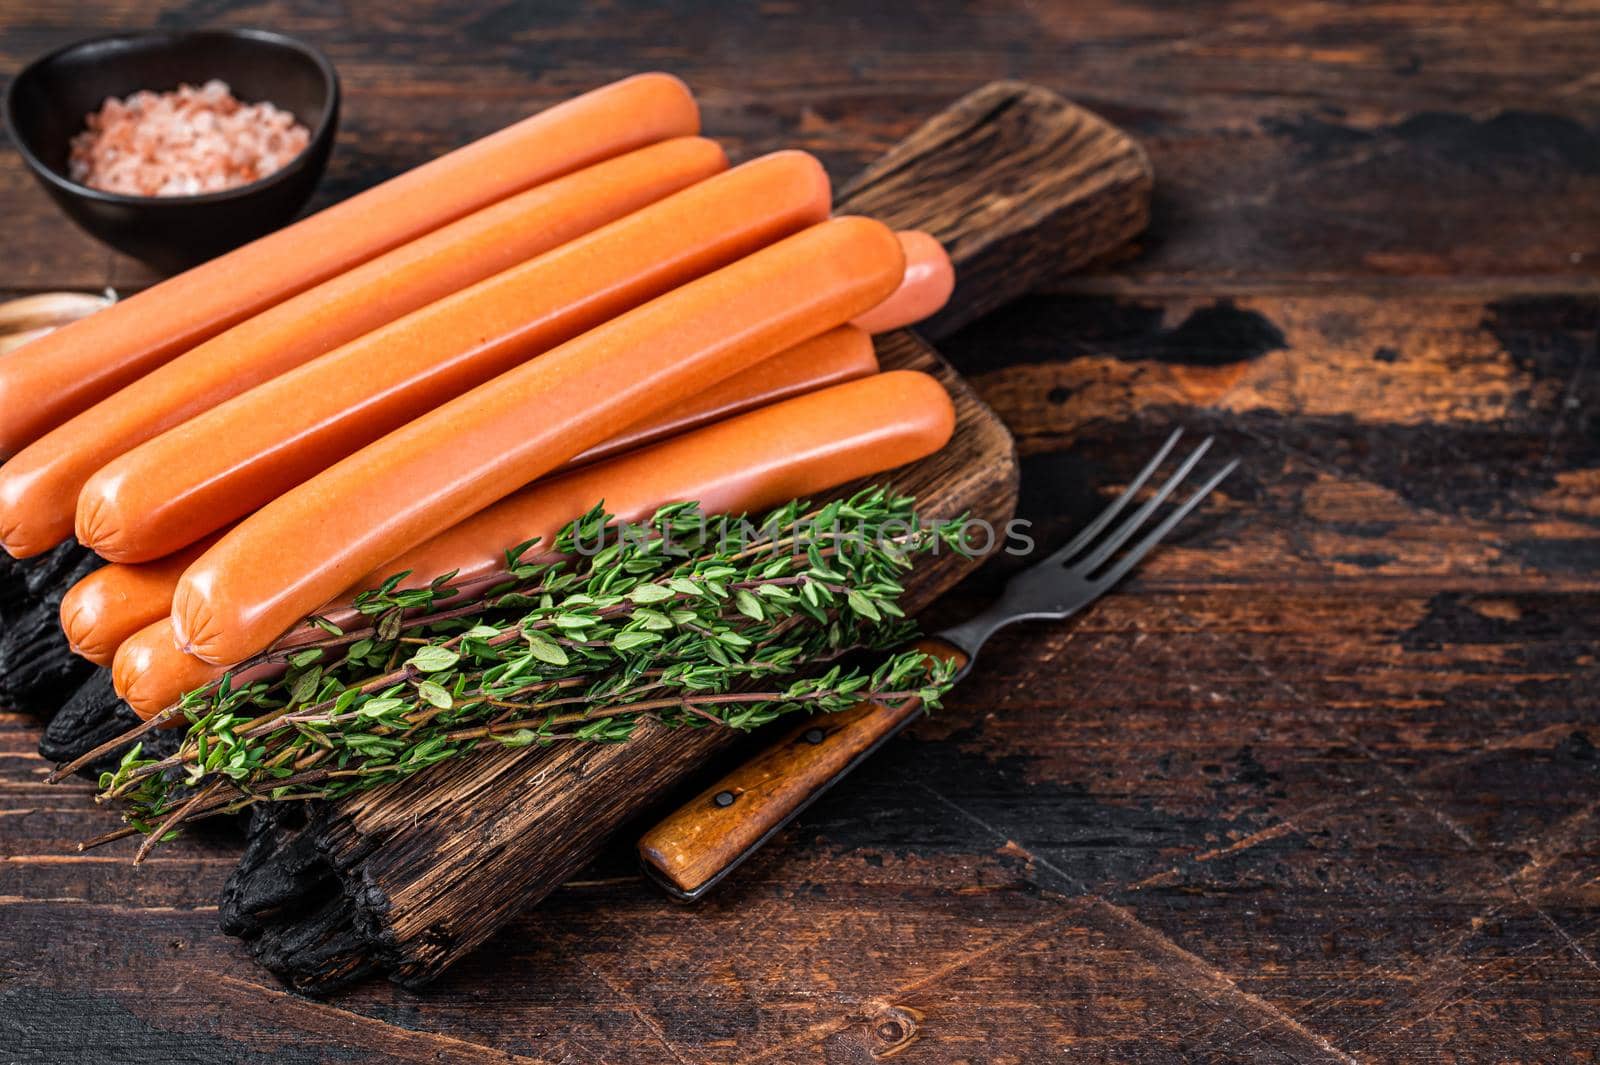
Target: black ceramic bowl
[[47, 103]]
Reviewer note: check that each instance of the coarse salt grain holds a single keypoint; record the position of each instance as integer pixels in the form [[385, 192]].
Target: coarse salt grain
[[184, 142]]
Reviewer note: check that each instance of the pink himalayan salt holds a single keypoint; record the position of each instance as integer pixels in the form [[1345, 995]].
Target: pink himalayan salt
[[183, 143]]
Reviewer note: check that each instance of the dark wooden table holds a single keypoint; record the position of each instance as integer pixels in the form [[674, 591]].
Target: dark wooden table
[[1320, 784]]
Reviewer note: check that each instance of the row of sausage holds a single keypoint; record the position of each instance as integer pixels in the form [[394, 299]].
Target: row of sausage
[[589, 305]]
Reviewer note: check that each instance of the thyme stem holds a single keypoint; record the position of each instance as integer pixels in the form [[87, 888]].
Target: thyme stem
[[672, 621]]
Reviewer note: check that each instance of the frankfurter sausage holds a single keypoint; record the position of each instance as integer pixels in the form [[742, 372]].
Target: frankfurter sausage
[[39, 487], [51, 379], [305, 547], [925, 289], [839, 355], [116, 601], [237, 456], [794, 449], [746, 464], [150, 673]]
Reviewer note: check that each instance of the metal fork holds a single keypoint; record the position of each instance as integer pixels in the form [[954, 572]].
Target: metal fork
[[1077, 574], [707, 838]]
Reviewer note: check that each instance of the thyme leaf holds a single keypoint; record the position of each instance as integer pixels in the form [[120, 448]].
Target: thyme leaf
[[684, 620]]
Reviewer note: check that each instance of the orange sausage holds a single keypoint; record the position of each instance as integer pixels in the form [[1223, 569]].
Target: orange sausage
[[49, 380], [925, 289], [747, 464], [150, 673], [794, 449], [305, 547], [839, 355], [39, 486], [241, 454], [116, 601]]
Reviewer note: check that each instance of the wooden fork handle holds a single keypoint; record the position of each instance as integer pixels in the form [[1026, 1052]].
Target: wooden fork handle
[[710, 835]]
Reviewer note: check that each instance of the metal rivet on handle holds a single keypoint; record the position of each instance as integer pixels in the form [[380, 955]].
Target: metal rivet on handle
[[813, 736], [723, 798]]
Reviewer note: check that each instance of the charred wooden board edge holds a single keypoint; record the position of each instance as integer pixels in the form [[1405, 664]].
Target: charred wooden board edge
[[38, 671], [94, 714]]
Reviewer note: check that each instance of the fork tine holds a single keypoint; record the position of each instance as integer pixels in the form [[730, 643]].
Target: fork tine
[[1123, 532], [1154, 537], [1106, 516]]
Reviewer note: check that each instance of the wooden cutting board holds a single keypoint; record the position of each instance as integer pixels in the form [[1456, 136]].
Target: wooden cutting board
[[1020, 186]]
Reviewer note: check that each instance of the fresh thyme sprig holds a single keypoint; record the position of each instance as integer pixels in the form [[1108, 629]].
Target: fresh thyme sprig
[[684, 620]]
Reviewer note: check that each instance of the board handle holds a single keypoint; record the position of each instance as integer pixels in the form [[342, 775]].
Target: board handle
[[713, 833], [1019, 185]]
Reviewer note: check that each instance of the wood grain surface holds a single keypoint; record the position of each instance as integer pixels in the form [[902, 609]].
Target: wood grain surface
[[1320, 783]]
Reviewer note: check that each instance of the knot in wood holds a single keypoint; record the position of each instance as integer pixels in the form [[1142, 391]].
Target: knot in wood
[[892, 1029]]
